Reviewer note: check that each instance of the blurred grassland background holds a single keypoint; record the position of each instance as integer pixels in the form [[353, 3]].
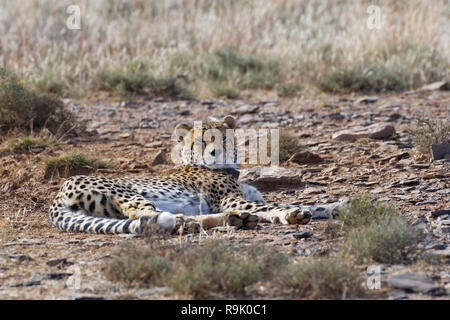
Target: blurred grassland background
[[209, 49]]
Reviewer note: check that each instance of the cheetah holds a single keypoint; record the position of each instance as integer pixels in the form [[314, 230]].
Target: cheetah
[[198, 196]]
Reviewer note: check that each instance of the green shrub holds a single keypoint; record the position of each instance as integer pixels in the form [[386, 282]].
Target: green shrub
[[364, 210], [430, 132], [26, 110], [366, 79], [388, 240], [323, 278], [74, 161]]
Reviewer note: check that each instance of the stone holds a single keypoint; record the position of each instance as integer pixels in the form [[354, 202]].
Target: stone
[[384, 133], [246, 108], [376, 131], [415, 282], [302, 235], [366, 100], [160, 158], [437, 213], [305, 157], [439, 151], [271, 178], [439, 85]]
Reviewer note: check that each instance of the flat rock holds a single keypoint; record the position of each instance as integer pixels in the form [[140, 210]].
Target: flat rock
[[415, 282], [247, 108], [439, 151], [305, 157], [270, 178], [376, 131], [439, 85], [366, 100]]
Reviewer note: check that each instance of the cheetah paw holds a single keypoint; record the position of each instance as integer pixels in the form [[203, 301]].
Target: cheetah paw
[[185, 225], [298, 216], [241, 219]]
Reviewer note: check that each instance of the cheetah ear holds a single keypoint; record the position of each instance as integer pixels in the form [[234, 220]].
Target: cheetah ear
[[182, 130], [229, 121]]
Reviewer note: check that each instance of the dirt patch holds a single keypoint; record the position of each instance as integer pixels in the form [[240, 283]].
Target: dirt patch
[[131, 136]]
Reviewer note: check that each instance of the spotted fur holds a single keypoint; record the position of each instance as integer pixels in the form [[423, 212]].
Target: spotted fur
[[195, 197]]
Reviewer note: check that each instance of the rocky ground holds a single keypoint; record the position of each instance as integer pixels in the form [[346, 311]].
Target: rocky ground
[[357, 145]]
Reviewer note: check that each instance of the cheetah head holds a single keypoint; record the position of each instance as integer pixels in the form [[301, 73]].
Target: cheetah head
[[209, 144]]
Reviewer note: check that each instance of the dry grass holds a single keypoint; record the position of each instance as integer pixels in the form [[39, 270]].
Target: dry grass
[[375, 231], [323, 278], [74, 163], [27, 110], [216, 268], [428, 132], [311, 42]]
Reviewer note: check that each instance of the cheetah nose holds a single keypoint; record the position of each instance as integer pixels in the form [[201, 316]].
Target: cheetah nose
[[213, 152]]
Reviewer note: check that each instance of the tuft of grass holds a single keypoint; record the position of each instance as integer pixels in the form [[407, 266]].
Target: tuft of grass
[[225, 92], [428, 132], [26, 144], [27, 110], [210, 269], [49, 84], [288, 145], [137, 267], [324, 278], [366, 79], [288, 90], [364, 210], [390, 240], [244, 71], [74, 162], [136, 80]]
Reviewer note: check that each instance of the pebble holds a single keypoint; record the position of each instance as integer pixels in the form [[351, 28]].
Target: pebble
[[302, 235]]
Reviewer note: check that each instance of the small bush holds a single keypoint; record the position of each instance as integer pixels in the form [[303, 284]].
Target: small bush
[[288, 90], [430, 132], [51, 85], [375, 78], [288, 145], [212, 268], [75, 163], [23, 109], [364, 210], [389, 240], [324, 278], [136, 80], [225, 92], [227, 66], [26, 144], [137, 267]]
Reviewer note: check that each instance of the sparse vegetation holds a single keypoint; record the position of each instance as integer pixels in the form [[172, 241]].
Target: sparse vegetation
[[324, 278], [364, 210], [366, 79], [430, 132], [135, 79], [288, 145], [213, 268], [376, 231], [390, 240], [217, 268], [74, 163], [280, 42], [27, 110], [25, 144]]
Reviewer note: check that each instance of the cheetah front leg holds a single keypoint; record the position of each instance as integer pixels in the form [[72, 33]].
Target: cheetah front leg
[[267, 212]]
